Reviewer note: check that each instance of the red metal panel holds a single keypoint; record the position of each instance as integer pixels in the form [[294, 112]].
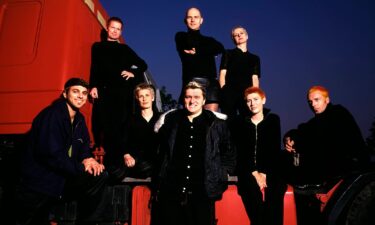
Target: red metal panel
[[141, 214], [18, 37], [290, 214], [230, 209], [43, 43]]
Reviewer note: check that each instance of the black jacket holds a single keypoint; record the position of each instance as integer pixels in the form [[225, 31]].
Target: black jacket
[[46, 163], [220, 154], [330, 145], [259, 146]]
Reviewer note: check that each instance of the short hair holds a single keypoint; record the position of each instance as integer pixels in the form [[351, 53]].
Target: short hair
[[321, 89], [251, 90], [75, 81], [143, 86], [237, 27], [187, 11], [115, 18], [195, 85]]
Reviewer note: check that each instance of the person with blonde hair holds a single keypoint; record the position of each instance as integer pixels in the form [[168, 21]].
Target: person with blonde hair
[[196, 155], [327, 147], [239, 69]]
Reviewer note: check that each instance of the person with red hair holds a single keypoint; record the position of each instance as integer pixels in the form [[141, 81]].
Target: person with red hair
[[258, 139], [327, 147]]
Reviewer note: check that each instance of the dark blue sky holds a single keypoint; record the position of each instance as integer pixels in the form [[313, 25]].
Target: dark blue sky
[[300, 43]]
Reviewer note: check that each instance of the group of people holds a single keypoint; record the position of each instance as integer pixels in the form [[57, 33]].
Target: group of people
[[189, 152]]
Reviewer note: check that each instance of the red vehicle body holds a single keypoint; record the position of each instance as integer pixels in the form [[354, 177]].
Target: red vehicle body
[[45, 42]]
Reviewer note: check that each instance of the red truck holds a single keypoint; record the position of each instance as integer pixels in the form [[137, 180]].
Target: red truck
[[44, 42]]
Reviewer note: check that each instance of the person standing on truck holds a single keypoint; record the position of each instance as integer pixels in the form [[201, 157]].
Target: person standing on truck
[[239, 69], [58, 162], [197, 53], [258, 139], [115, 70], [197, 154], [326, 147]]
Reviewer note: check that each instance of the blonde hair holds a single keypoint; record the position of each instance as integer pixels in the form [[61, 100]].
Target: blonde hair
[[143, 86], [321, 89], [195, 85]]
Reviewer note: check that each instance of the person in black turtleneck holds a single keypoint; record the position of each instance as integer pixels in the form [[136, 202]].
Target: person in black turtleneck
[[258, 139], [239, 69], [330, 146], [197, 53], [115, 70]]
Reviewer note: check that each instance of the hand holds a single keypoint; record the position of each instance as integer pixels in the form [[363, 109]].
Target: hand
[[129, 160], [126, 74], [191, 51], [94, 93], [289, 144], [92, 166], [260, 179]]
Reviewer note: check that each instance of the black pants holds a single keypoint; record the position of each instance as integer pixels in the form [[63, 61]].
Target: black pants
[[232, 102], [308, 209], [270, 211], [110, 113], [35, 208], [192, 210], [118, 171]]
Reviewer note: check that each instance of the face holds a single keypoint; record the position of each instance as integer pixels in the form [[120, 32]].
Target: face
[[194, 101], [239, 36], [255, 103], [76, 96], [318, 103], [193, 19], [114, 31], [145, 98]]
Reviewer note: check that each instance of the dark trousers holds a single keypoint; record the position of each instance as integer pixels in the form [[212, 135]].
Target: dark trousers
[[252, 198], [110, 114], [270, 211], [274, 201], [308, 209], [191, 210], [35, 208], [232, 102]]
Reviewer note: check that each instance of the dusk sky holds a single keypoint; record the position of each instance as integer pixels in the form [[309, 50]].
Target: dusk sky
[[300, 44]]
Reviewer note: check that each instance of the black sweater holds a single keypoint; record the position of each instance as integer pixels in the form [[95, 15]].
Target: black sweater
[[202, 63], [109, 59], [258, 145]]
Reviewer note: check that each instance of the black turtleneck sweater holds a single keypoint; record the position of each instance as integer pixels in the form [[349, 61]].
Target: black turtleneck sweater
[[202, 63], [109, 59]]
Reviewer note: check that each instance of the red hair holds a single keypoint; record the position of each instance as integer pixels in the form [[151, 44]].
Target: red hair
[[321, 89], [251, 90]]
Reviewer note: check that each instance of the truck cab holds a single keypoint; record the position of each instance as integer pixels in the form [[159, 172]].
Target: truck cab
[[45, 42]]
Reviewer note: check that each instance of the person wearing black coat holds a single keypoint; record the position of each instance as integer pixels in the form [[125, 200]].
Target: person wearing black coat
[[196, 156], [58, 163], [258, 140], [329, 146]]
